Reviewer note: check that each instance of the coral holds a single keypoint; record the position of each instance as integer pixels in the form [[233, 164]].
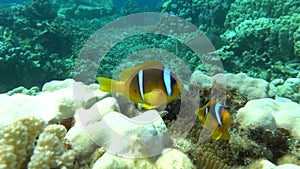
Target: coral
[[170, 158], [83, 9], [262, 163], [289, 88], [109, 160], [243, 10], [129, 7], [248, 142], [48, 106], [79, 138], [209, 162], [208, 15], [25, 45], [8, 157], [264, 34], [173, 158], [57, 101], [18, 140], [50, 151], [42, 9], [208, 154], [245, 146], [271, 114], [248, 87], [253, 36], [32, 91], [19, 150]]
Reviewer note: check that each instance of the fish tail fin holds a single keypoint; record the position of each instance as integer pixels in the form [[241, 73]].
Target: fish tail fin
[[110, 85], [225, 135]]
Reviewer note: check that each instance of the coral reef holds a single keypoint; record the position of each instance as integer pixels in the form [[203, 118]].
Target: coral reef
[[251, 37], [56, 102], [208, 15], [36, 45], [262, 37], [39, 45], [54, 146], [288, 89], [69, 124], [269, 136]]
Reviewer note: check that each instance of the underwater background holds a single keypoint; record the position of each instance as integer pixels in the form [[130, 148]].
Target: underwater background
[[257, 41]]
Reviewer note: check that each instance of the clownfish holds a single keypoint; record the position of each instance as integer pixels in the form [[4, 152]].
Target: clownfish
[[216, 119], [150, 84]]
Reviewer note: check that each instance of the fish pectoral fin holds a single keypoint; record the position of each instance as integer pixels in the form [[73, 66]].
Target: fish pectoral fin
[[220, 133], [156, 97], [210, 123], [148, 106], [216, 135], [225, 135]]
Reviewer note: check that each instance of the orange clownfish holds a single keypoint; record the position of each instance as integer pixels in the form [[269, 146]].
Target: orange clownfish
[[216, 119], [149, 83]]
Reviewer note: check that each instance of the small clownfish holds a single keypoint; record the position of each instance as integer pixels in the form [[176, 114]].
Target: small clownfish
[[216, 119], [149, 83]]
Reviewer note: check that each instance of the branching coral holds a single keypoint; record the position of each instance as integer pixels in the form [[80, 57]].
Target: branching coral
[[17, 141], [18, 149], [50, 151]]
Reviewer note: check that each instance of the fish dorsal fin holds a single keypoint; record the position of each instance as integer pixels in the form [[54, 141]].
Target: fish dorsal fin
[[125, 74]]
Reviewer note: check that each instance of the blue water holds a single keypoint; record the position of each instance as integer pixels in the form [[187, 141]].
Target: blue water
[[13, 1], [150, 5]]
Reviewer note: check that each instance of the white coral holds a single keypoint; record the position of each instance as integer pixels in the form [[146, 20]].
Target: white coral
[[50, 151], [17, 141]]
